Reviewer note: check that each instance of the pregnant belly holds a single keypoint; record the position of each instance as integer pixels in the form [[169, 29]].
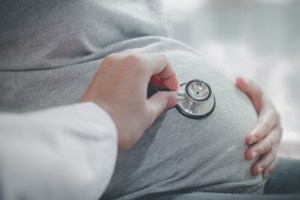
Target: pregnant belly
[[176, 153], [182, 154]]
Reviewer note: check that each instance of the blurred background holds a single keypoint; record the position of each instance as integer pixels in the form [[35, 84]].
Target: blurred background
[[258, 39]]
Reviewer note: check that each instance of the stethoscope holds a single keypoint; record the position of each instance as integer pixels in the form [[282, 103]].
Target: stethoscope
[[195, 98]]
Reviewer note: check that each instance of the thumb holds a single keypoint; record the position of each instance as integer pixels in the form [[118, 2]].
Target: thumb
[[252, 90], [161, 101]]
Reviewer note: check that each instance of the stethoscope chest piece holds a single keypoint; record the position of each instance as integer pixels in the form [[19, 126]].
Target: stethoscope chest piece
[[195, 99]]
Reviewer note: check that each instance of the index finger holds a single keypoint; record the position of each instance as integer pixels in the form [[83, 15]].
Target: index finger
[[161, 67]]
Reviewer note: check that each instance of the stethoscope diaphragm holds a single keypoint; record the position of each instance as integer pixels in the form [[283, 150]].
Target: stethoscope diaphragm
[[195, 98]]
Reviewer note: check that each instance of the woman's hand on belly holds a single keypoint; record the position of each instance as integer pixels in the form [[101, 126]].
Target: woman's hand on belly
[[265, 137]]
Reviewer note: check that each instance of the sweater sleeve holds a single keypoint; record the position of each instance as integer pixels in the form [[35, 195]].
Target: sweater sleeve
[[61, 153]]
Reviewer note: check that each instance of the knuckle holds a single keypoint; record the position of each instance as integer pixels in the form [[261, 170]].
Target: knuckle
[[268, 159], [134, 64], [262, 163], [268, 145], [110, 58], [164, 57], [133, 59], [259, 150], [266, 126], [263, 129], [264, 147]]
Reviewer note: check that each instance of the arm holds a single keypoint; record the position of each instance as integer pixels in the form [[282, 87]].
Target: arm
[[70, 152], [61, 153], [265, 137]]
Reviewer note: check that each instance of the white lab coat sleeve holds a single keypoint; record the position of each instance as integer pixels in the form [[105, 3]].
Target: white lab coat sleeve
[[64, 153]]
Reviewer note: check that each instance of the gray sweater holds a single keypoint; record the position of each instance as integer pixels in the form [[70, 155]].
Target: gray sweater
[[49, 51], [56, 36]]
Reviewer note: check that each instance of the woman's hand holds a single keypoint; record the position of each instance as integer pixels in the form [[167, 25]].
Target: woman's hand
[[265, 137], [120, 88]]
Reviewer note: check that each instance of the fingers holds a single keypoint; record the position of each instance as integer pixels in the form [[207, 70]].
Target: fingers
[[161, 67], [270, 168], [266, 149], [158, 103], [264, 162], [265, 145], [265, 137], [156, 82], [267, 114], [267, 120], [154, 64]]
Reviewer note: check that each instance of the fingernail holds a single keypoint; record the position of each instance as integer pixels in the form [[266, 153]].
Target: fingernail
[[260, 169], [254, 154], [253, 140]]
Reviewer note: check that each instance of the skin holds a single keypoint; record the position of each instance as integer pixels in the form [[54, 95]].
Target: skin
[[264, 138], [126, 73], [133, 70]]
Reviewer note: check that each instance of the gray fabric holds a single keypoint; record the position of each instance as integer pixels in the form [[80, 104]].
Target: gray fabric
[[222, 196], [43, 34], [285, 178], [180, 154], [283, 183], [49, 51]]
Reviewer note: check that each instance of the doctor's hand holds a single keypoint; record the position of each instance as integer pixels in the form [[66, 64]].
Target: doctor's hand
[[265, 137], [120, 88]]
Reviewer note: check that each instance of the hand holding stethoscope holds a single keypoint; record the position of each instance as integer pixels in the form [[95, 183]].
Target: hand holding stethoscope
[[195, 98], [119, 88]]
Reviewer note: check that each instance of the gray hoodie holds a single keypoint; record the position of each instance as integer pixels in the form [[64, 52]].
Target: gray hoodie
[[49, 51]]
